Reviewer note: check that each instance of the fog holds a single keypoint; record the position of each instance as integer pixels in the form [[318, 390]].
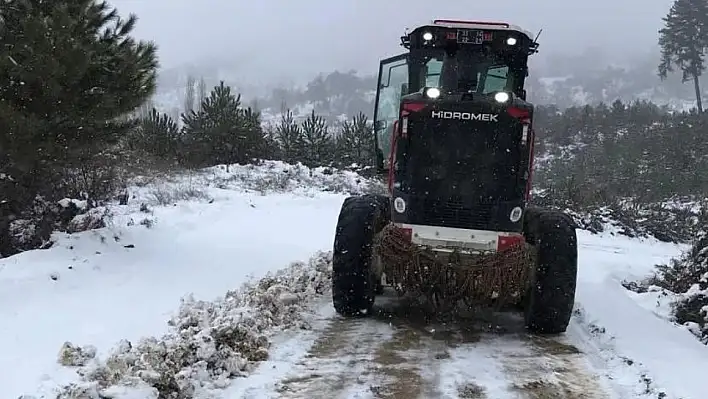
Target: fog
[[269, 38]]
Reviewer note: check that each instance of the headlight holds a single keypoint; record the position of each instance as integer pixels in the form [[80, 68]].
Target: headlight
[[433, 92], [399, 205], [502, 97], [516, 214], [427, 36], [511, 41]]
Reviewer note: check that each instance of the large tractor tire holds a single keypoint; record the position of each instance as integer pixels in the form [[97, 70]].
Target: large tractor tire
[[354, 281], [550, 296]]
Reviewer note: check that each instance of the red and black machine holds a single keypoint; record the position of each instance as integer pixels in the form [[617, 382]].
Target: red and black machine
[[454, 134]]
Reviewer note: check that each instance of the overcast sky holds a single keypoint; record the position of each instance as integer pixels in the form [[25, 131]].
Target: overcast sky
[[302, 37]]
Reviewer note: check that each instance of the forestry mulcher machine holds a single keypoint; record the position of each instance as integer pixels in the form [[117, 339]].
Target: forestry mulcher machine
[[454, 134]]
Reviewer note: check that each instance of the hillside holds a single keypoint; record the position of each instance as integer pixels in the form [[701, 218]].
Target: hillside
[[210, 247], [558, 80]]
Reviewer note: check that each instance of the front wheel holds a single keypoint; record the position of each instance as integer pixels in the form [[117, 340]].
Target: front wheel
[[551, 292], [354, 283]]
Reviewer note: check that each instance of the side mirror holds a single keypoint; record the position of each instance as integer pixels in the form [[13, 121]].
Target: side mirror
[[380, 125], [523, 94]]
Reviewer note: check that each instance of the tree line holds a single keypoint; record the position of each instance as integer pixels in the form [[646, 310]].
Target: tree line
[[590, 155], [221, 130], [594, 155]]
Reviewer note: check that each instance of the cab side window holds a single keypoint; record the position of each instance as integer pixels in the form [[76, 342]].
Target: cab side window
[[392, 81]]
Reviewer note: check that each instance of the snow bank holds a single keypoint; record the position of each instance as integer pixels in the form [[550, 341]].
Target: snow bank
[[33, 228], [268, 177], [686, 281], [629, 336], [207, 185], [209, 342], [125, 281]]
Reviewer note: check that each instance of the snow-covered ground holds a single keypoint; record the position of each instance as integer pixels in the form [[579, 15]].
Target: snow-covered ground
[[206, 234]]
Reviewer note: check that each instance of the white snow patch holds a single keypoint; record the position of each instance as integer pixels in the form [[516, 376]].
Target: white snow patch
[[123, 281], [79, 204], [634, 344], [216, 183], [211, 342]]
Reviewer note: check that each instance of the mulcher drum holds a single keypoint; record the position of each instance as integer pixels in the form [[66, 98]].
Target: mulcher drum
[[496, 278]]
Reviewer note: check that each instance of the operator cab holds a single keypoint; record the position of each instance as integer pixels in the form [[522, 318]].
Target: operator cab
[[467, 60], [453, 129]]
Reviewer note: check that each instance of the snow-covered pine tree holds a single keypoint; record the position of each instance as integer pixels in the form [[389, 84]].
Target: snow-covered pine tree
[[318, 143], [159, 135], [221, 132], [271, 146], [684, 41], [355, 143], [253, 138], [290, 137]]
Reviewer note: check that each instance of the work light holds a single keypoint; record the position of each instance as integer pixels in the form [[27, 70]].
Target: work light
[[432, 92], [502, 97]]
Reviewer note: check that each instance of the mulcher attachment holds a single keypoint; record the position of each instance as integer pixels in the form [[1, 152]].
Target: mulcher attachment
[[445, 278]]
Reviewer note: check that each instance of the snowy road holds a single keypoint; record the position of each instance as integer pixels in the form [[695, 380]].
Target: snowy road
[[125, 282], [401, 353]]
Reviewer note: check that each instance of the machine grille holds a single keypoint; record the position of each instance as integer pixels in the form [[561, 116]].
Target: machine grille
[[452, 213]]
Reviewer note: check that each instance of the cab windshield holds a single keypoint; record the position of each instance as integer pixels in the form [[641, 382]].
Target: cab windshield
[[468, 72]]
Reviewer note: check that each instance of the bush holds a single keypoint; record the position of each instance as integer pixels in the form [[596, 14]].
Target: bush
[[688, 277], [677, 220]]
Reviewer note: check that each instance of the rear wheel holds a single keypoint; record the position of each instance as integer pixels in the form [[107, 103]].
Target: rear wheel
[[551, 292], [354, 282]]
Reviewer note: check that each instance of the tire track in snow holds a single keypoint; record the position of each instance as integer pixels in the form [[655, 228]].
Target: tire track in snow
[[407, 365], [400, 352], [383, 356], [548, 368], [532, 366], [336, 362]]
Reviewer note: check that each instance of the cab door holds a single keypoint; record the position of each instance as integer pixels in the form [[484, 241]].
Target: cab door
[[392, 84]]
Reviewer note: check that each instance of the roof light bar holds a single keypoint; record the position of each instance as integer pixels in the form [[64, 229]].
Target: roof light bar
[[455, 21]]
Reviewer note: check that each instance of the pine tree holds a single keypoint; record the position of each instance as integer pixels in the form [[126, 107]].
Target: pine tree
[[253, 138], [355, 142], [70, 73], [271, 145], [317, 141], [221, 132], [684, 40], [290, 138], [159, 135]]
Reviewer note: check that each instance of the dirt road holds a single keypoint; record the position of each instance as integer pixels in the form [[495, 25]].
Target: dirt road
[[404, 351]]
